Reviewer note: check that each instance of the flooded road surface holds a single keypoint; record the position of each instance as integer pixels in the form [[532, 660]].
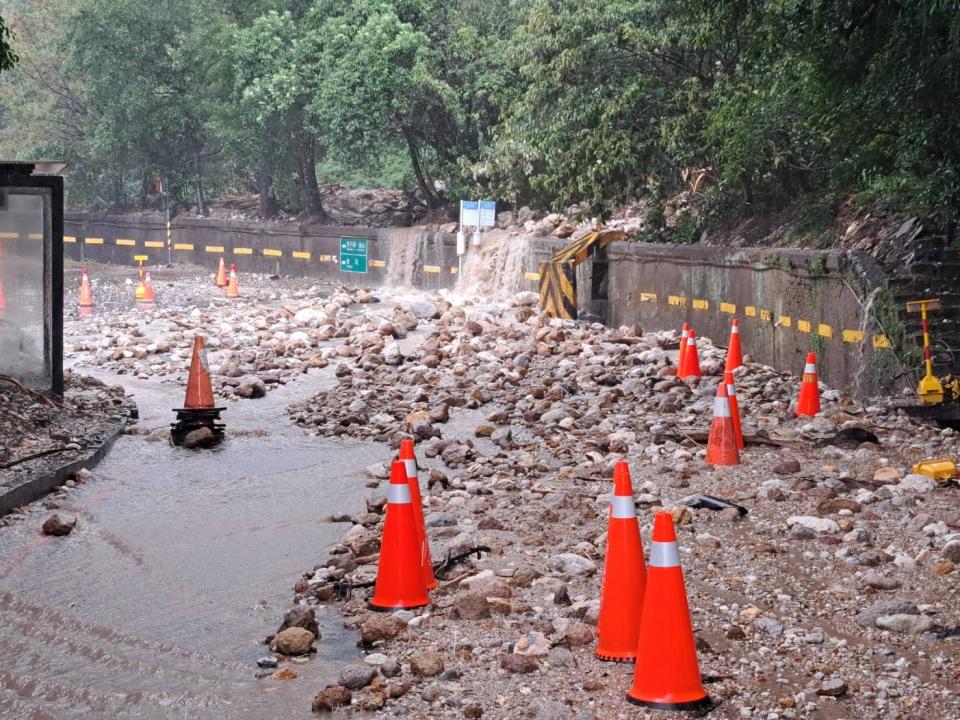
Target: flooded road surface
[[181, 562]]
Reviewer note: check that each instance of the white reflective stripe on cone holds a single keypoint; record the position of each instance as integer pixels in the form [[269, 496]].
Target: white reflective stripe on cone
[[398, 494], [623, 507], [731, 391], [664, 554], [810, 368], [692, 341], [721, 408], [735, 329], [410, 467]]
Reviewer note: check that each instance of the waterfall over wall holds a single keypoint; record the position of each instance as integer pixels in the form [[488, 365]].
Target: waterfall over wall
[[494, 271]]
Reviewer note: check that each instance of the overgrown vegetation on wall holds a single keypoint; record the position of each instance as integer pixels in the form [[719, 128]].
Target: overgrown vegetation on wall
[[750, 104]]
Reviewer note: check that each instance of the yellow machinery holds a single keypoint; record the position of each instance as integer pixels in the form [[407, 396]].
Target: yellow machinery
[[558, 275], [931, 389]]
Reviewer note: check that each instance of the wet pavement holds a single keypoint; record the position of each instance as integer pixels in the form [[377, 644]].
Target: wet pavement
[[181, 561]]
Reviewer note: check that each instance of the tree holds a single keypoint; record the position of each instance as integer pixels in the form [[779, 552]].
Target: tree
[[270, 95], [8, 58]]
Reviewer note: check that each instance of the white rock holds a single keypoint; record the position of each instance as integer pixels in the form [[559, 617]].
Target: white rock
[[914, 483], [818, 525], [571, 564]]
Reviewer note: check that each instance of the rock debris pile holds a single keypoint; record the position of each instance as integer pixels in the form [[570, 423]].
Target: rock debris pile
[[835, 596], [264, 339], [40, 432]]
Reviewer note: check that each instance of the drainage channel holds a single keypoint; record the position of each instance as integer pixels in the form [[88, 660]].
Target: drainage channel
[[180, 563]]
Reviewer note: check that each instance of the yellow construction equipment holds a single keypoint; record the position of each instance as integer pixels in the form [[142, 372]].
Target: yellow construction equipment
[[940, 469], [930, 389], [558, 275]]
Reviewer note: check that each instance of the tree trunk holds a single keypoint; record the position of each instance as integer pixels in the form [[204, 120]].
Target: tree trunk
[[268, 203], [310, 187], [423, 182], [201, 199]]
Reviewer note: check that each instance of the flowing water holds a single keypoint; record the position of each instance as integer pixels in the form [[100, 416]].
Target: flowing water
[[181, 562], [494, 271]]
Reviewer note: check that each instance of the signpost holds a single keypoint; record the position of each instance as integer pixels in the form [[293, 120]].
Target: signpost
[[353, 255], [469, 213], [488, 214]]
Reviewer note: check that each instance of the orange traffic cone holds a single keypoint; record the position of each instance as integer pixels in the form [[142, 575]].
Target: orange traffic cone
[[85, 295], [400, 572], [666, 676], [141, 291], [624, 575], [199, 387], [149, 297], [722, 443], [734, 408], [809, 401], [198, 410], [734, 351], [233, 286], [691, 359], [221, 278], [684, 335], [410, 465]]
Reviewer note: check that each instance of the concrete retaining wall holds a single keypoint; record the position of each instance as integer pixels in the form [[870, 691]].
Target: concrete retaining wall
[[789, 301]]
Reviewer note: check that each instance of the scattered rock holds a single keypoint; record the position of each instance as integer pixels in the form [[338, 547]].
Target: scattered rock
[[357, 676], [294, 641], [54, 526], [426, 663], [301, 616], [512, 662], [833, 688], [331, 698]]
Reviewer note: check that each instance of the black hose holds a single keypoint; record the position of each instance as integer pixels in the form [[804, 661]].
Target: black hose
[[33, 457]]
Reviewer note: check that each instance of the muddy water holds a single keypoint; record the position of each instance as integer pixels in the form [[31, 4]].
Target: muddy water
[[181, 561]]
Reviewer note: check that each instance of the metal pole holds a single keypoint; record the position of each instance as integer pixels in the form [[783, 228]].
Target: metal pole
[[166, 197]]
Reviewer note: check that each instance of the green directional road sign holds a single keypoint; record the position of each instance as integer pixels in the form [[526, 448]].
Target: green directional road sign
[[353, 255]]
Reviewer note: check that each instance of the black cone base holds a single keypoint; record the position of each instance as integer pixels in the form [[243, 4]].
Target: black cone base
[[703, 705], [189, 420]]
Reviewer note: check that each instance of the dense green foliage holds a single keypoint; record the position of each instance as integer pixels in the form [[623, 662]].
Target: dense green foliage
[[746, 103], [8, 58]]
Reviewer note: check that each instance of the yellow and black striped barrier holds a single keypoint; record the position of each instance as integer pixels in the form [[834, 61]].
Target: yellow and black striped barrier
[[558, 275]]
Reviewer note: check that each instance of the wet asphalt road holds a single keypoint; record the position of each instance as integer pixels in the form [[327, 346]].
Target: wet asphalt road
[[181, 562]]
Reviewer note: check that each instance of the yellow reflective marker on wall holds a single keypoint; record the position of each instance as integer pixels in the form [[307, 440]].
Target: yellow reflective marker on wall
[[243, 251], [93, 241], [431, 268], [677, 300], [153, 243], [852, 336], [728, 308], [700, 304], [750, 311], [124, 242], [648, 297], [301, 255], [824, 330], [881, 341], [372, 263], [183, 246], [269, 252], [785, 321], [804, 326], [532, 276]]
